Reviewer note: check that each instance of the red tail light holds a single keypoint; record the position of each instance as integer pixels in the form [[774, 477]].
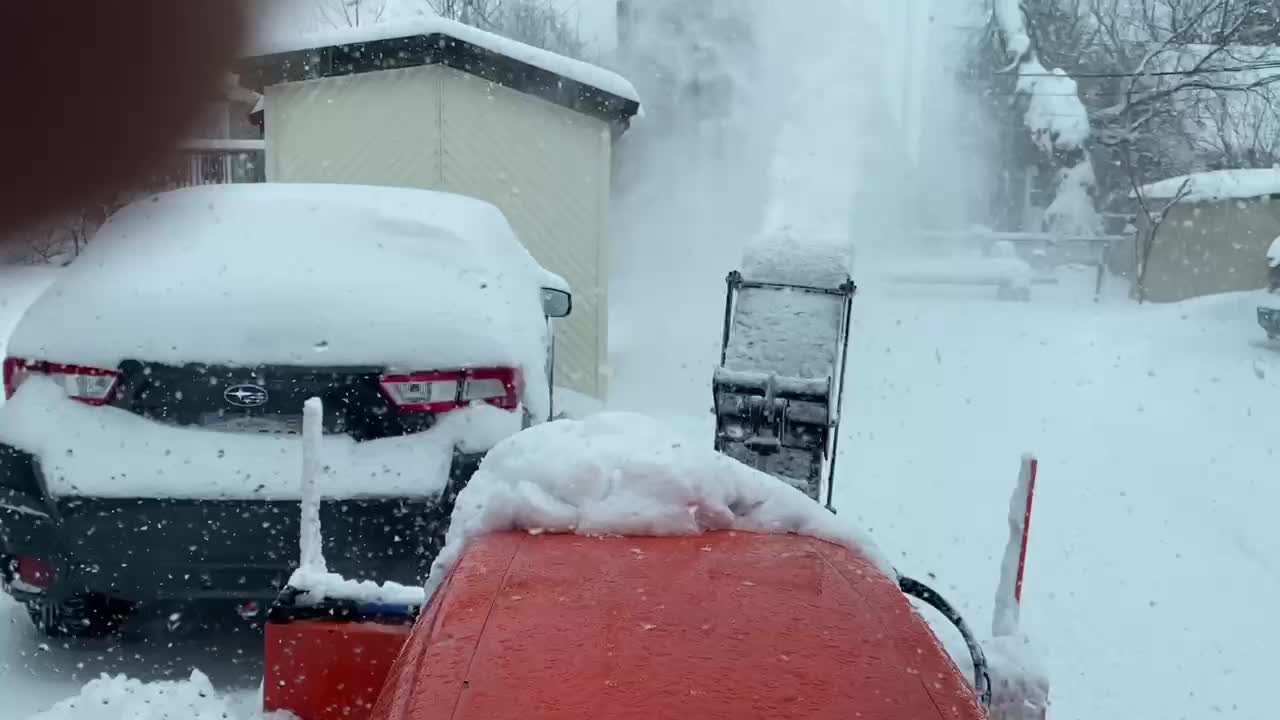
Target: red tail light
[[94, 386], [442, 391], [33, 572]]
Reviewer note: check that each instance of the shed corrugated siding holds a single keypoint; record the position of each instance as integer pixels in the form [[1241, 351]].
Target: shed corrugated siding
[[546, 167], [373, 129], [1207, 248]]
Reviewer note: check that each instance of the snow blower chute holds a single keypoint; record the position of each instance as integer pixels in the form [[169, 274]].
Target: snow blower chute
[[778, 388]]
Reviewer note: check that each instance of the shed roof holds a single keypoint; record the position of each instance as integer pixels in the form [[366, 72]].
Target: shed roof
[[1218, 185], [574, 84]]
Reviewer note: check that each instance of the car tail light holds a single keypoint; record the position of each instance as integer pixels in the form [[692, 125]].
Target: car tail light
[[34, 573], [442, 391], [94, 386]]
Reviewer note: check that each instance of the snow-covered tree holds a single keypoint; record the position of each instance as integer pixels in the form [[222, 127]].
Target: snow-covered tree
[[1056, 120]]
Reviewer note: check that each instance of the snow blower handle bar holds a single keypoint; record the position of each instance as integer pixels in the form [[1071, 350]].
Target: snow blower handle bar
[[981, 677]]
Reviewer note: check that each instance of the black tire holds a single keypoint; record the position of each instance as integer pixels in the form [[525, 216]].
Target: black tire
[[81, 616]]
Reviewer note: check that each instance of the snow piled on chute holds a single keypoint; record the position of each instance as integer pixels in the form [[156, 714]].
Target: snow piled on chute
[[626, 474]]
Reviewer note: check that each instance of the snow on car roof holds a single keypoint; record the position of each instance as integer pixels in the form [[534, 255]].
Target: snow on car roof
[[626, 474], [567, 67], [298, 274], [1216, 185]]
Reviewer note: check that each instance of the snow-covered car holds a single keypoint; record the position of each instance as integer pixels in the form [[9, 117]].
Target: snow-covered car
[[149, 456]]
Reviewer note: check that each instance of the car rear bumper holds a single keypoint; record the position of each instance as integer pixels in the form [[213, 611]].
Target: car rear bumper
[[155, 550]]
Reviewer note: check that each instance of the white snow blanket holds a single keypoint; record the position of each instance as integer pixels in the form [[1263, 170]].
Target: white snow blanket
[[626, 474], [1273, 253], [303, 275], [19, 287], [121, 698], [1055, 116], [321, 585], [112, 453], [576, 70], [792, 333], [1019, 677], [1011, 271], [1217, 185], [784, 256]]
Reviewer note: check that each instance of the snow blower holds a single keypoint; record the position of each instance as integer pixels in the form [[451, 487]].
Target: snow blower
[[542, 625], [780, 382]]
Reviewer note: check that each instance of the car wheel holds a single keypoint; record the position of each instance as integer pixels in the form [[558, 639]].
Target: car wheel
[[87, 615]]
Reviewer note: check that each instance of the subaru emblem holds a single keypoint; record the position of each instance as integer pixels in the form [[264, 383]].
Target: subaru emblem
[[245, 395]]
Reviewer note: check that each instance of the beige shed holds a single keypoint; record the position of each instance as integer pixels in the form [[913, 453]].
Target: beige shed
[[1215, 237], [443, 106]]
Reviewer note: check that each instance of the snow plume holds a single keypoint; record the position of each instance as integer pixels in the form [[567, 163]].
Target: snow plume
[[625, 474], [691, 184], [747, 132]]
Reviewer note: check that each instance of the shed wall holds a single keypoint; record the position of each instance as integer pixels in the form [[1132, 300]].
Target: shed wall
[[1207, 248], [433, 127]]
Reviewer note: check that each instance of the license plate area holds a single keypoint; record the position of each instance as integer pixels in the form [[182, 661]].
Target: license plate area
[[253, 424]]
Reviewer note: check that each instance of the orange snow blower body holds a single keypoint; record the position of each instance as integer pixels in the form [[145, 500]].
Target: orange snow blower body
[[725, 625]]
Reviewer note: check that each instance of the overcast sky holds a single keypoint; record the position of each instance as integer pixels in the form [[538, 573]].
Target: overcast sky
[[596, 20]]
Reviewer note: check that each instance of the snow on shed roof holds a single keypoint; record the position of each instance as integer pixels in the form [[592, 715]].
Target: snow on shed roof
[[601, 92], [1218, 185]]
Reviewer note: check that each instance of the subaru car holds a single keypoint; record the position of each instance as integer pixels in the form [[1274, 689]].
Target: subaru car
[[149, 445]]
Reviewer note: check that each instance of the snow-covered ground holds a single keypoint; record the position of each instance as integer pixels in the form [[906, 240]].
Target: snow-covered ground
[[1153, 562]]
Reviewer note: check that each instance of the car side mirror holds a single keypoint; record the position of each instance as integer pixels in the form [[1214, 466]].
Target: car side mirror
[[556, 303]]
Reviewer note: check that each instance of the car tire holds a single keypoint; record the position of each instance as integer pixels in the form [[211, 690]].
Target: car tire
[[87, 615]]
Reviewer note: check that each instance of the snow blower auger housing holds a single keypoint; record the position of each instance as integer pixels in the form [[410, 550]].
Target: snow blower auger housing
[[778, 387]]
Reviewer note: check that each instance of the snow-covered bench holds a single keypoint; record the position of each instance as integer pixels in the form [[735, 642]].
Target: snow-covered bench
[[1012, 277]]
